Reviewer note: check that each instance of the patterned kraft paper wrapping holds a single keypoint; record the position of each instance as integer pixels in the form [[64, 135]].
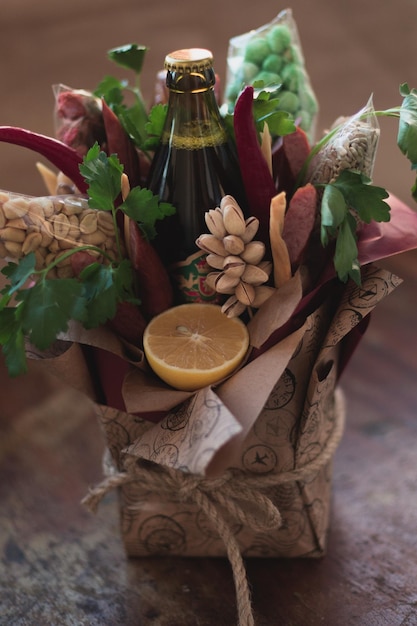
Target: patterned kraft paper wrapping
[[276, 414]]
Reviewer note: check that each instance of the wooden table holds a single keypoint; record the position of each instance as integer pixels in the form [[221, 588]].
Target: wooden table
[[62, 566]]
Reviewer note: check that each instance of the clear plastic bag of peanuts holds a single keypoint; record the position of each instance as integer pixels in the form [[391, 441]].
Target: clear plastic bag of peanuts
[[50, 226], [273, 54]]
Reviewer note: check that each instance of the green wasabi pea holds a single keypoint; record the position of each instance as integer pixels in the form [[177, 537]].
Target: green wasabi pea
[[256, 50], [292, 76], [248, 71], [293, 55], [310, 103], [272, 63], [289, 101], [233, 90], [305, 120], [279, 38], [268, 78]]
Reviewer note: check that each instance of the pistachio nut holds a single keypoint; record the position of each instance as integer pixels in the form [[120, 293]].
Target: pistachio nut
[[214, 222], [254, 252]]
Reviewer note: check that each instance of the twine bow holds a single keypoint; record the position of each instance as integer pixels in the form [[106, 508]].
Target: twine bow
[[234, 496]]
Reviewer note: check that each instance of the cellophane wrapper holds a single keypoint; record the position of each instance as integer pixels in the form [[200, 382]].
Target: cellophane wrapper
[[273, 54]]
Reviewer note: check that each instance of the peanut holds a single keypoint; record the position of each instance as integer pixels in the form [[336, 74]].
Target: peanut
[[8, 233], [88, 223], [31, 243], [14, 249], [2, 218], [95, 239], [105, 222], [17, 222], [61, 226], [15, 207]]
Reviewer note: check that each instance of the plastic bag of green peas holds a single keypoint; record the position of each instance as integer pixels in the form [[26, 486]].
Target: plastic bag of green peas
[[272, 56]]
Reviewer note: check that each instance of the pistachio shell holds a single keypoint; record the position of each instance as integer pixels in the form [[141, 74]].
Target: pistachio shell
[[211, 279], [232, 307], [233, 266], [215, 260], [253, 252], [226, 284], [228, 199], [210, 244], [245, 293], [214, 222], [234, 220], [233, 244], [251, 228], [254, 275]]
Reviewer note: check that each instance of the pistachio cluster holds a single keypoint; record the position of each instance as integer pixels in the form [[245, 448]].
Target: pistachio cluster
[[236, 257]]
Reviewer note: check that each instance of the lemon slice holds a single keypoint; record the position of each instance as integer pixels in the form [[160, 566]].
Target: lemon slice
[[194, 345]]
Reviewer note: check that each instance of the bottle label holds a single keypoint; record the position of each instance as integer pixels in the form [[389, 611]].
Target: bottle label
[[189, 279]]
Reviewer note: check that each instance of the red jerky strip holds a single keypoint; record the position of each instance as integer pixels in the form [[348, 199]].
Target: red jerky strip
[[62, 156], [289, 158], [299, 222], [128, 323], [119, 142], [154, 286], [257, 180]]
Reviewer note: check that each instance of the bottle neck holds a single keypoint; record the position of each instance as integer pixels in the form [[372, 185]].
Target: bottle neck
[[193, 119]]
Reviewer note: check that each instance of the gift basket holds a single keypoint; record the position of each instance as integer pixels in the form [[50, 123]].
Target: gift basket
[[212, 312]]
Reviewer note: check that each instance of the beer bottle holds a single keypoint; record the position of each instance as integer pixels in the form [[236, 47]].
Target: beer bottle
[[193, 168]]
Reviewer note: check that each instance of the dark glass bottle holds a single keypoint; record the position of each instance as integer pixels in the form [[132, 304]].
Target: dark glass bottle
[[193, 168]]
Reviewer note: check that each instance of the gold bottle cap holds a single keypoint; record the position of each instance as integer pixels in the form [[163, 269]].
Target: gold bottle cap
[[189, 60]]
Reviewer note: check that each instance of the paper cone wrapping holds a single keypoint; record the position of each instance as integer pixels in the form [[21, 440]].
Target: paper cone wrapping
[[273, 427]]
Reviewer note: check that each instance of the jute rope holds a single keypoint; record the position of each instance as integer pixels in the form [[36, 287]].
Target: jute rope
[[228, 493]]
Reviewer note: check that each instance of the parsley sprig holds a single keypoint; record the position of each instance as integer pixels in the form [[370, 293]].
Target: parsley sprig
[[43, 307], [349, 198], [127, 102], [352, 197], [266, 109]]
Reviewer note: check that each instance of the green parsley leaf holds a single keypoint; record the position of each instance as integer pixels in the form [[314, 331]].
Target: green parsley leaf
[[407, 127], [46, 308], [132, 116], [346, 252], [333, 212], [100, 294], [133, 120], [105, 286], [12, 340], [350, 195], [266, 109], [145, 208], [111, 89], [19, 273], [130, 56], [154, 125], [366, 199], [103, 175]]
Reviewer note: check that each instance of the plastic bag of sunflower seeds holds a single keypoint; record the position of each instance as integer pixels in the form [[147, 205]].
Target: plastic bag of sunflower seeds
[[353, 146]]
